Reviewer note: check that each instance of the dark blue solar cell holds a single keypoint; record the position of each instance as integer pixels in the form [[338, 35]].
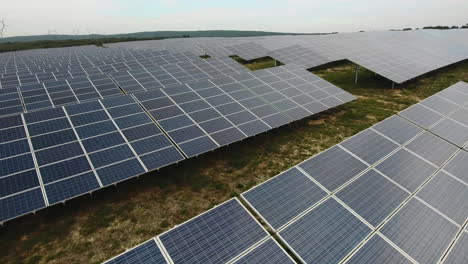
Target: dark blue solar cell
[[216, 236], [284, 197], [14, 148], [61, 152], [10, 121], [18, 182], [71, 187], [64, 169], [117, 100], [241, 117], [150, 94], [83, 108], [43, 115], [112, 155], [140, 132], [87, 118], [373, 197], [161, 158], [120, 171], [215, 125], [227, 136], [253, 128], [95, 129], [103, 141], [166, 112], [175, 122], [194, 106], [53, 139], [48, 126], [198, 146], [204, 115], [150, 144], [378, 250], [131, 121], [146, 253], [230, 108], [11, 134], [219, 100], [185, 97], [16, 164], [11, 110], [157, 103], [22, 203], [37, 106], [186, 133], [326, 234], [117, 112], [265, 110], [268, 252]]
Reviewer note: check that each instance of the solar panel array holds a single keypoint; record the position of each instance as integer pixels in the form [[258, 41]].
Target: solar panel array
[[393, 193], [101, 119], [397, 55]]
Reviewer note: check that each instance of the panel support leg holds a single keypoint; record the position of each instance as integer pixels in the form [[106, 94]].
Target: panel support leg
[[357, 71]]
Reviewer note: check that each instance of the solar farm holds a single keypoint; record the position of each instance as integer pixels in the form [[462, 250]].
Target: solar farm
[[341, 148]]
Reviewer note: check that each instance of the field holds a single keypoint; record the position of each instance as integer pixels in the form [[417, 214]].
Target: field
[[94, 228]]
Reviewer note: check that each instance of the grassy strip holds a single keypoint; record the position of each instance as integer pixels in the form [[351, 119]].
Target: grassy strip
[[94, 228]]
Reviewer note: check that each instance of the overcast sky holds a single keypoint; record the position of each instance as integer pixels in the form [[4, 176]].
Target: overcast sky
[[34, 17]]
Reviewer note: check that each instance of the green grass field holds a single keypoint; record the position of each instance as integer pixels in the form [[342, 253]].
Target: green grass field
[[94, 228]]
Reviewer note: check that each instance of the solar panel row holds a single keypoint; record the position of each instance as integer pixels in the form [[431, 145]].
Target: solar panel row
[[53, 155], [80, 147], [393, 191]]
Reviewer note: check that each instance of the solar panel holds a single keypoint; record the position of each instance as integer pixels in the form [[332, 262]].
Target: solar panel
[[432, 148], [326, 234], [369, 146], [459, 253], [420, 231], [267, 252], [146, 253], [406, 169], [284, 197], [373, 197], [323, 167], [458, 165], [448, 195], [216, 236], [398, 129], [377, 250]]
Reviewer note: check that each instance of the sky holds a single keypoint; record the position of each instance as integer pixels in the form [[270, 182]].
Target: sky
[[38, 17]]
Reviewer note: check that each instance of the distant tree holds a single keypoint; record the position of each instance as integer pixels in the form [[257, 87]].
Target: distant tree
[[454, 27], [436, 27], [465, 26], [2, 27], [361, 31], [406, 29]]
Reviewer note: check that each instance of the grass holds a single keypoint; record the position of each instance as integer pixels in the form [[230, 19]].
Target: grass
[[91, 229]]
